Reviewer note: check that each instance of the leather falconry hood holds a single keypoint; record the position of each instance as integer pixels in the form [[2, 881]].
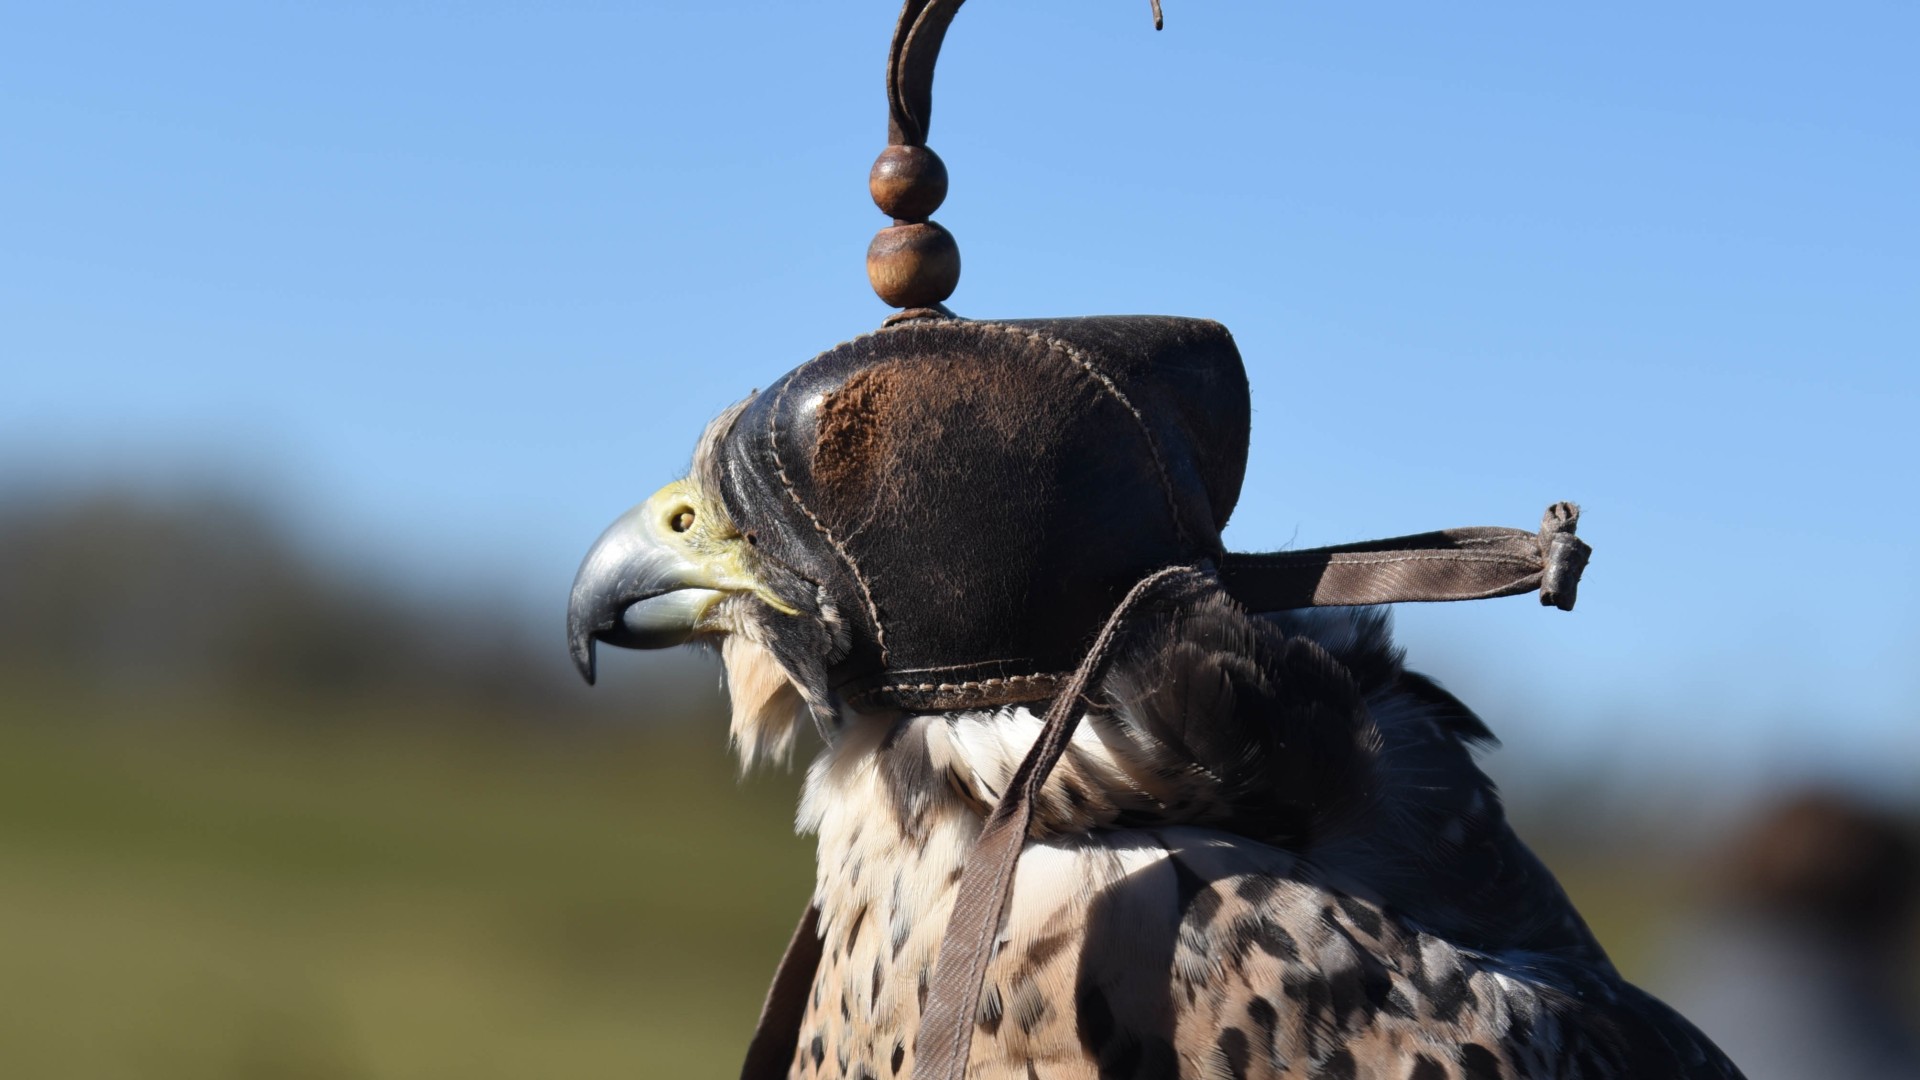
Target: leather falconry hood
[[975, 497], [982, 502]]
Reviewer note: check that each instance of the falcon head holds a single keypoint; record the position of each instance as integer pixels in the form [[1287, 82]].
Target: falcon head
[[935, 516], [678, 569]]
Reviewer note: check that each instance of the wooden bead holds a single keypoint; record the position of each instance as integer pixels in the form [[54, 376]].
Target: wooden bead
[[908, 183], [916, 265]]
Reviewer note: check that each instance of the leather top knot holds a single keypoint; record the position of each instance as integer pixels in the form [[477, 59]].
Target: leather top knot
[[915, 262]]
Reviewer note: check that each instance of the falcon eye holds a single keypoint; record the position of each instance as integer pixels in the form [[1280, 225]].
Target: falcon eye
[[683, 520]]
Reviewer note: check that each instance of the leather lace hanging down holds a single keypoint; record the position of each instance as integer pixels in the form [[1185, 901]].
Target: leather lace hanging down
[[1453, 564], [953, 997], [777, 1034]]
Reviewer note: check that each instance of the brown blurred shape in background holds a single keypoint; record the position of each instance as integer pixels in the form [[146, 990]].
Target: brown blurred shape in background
[[1801, 964]]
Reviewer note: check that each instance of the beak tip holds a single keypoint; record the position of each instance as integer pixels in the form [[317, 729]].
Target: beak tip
[[581, 647]]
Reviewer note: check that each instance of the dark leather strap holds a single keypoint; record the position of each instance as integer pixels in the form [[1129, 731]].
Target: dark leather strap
[[777, 1035], [1454, 564], [953, 999]]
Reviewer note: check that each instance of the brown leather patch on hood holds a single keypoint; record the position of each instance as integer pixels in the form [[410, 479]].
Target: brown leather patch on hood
[[853, 435], [924, 427]]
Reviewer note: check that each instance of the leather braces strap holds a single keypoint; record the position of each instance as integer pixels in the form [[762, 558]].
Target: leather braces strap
[[777, 1036], [1453, 564], [953, 998]]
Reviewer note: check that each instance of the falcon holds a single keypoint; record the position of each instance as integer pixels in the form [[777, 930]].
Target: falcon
[[1266, 851]]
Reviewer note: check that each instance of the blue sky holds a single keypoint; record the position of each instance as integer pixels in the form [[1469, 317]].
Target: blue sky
[[457, 282]]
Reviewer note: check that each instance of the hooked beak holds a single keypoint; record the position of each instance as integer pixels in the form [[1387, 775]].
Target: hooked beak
[[652, 577]]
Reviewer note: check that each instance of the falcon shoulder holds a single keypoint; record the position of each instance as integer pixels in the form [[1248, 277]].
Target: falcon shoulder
[[1268, 854]]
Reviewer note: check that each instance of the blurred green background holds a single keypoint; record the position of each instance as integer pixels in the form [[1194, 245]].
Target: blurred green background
[[256, 822]]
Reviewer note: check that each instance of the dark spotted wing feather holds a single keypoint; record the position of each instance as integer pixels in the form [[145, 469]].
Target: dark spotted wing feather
[[1422, 929], [1321, 742], [1268, 732], [1279, 973], [1269, 855]]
